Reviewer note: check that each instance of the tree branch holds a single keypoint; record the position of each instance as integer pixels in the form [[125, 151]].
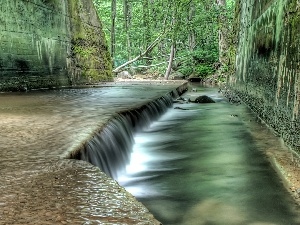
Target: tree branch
[[149, 49]]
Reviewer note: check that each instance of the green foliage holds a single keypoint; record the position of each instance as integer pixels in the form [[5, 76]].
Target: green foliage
[[205, 55], [186, 70], [198, 63], [192, 25], [203, 70]]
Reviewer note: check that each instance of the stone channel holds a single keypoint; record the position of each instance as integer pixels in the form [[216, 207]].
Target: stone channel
[[40, 184]]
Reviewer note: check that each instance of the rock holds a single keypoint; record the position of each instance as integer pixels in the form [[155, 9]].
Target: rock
[[180, 108], [177, 76], [181, 99], [124, 75], [204, 99]]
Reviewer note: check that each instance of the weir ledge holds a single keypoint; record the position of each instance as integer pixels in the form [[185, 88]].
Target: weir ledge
[[110, 146], [39, 133]]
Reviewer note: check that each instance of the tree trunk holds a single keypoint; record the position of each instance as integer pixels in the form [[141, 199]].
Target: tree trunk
[[147, 28], [127, 18], [113, 28], [192, 35], [223, 45], [174, 38], [169, 69]]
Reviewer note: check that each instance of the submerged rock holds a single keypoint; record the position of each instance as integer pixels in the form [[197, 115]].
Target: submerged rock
[[204, 99], [181, 100], [180, 108]]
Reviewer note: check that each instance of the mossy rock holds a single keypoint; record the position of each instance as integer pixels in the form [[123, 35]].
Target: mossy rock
[[204, 99]]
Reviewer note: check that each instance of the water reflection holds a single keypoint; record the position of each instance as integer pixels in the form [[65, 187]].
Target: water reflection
[[202, 166]]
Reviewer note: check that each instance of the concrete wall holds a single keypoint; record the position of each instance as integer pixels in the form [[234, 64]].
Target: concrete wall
[[40, 46], [267, 63]]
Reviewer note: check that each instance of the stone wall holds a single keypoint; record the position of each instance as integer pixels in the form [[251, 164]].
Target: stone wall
[[267, 63], [40, 44]]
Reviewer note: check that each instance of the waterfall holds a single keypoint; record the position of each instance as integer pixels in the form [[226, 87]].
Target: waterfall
[[110, 148]]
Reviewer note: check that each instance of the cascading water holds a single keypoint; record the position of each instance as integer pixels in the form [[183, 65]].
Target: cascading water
[[200, 164], [197, 164], [110, 148]]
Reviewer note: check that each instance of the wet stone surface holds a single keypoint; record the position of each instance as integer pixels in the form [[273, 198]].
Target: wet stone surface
[[39, 130]]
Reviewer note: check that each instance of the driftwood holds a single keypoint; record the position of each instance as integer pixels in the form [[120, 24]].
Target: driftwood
[[149, 49], [146, 67]]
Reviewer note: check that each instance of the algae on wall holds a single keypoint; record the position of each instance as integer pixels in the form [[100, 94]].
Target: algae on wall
[[39, 46], [267, 63], [33, 43], [90, 61]]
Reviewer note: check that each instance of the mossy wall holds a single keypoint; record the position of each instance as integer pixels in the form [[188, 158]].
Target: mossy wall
[[40, 47], [267, 63]]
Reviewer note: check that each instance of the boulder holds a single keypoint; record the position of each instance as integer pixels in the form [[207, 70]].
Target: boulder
[[177, 76], [204, 99], [124, 75]]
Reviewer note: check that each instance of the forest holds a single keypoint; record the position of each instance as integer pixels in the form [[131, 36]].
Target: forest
[[170, 39]]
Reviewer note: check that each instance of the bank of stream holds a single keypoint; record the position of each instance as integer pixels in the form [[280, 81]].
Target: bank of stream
[[203, 164]]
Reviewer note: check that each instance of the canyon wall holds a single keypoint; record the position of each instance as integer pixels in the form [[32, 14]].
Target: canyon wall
[[50, 43], [267, 74]]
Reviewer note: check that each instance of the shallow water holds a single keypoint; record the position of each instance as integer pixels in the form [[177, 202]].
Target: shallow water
[[39, 130], [203, 166]]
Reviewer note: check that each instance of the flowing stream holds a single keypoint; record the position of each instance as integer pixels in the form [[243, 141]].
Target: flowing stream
[[202, 165]]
